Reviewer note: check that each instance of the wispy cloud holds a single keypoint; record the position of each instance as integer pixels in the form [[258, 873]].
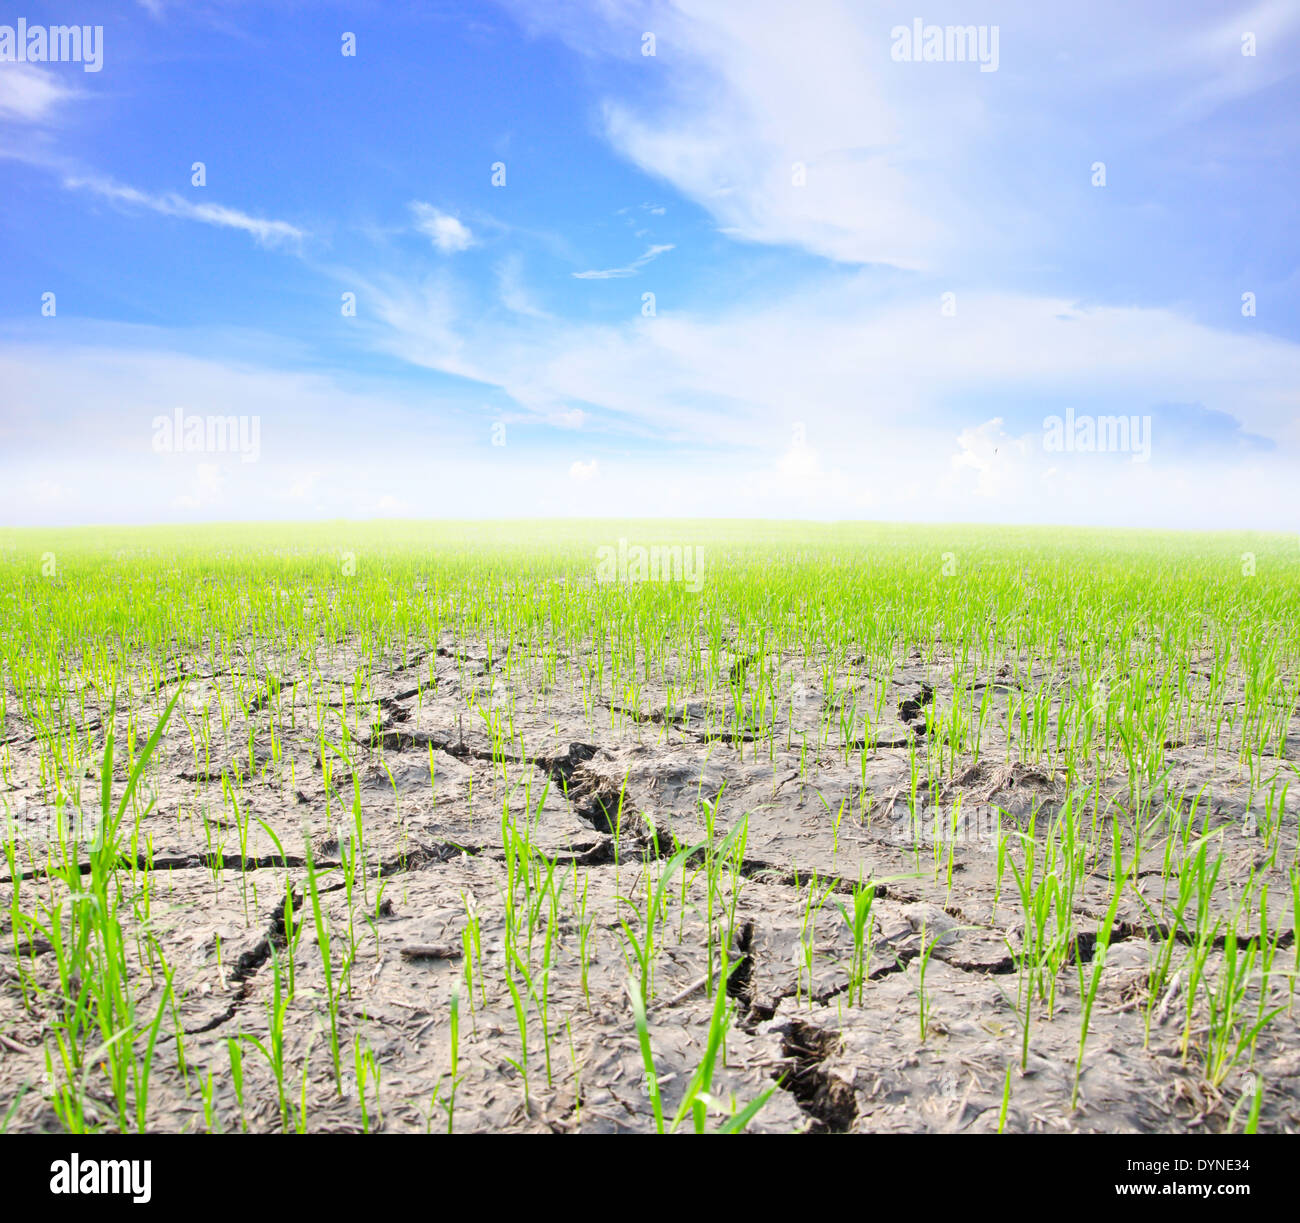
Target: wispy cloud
[[1215, 78], [267, 232], [832, 353], [448, 233], [630, 269], [514, 294], [868, 161], [777, 154]]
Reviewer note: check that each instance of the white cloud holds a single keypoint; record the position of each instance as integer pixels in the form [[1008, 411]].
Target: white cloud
[[785, 133], [266, 232], [800, 484], [567, 418], [582, 472], [29, 94], [449, 235], [206, 489], [630, 269], [998, 459]]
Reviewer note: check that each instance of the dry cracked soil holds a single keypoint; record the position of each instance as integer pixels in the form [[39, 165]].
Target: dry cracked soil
[[597, 793]]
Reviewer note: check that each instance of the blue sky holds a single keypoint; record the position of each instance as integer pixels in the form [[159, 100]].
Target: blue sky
[[873, 280]]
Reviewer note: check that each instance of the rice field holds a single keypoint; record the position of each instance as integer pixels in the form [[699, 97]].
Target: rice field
[[648, 827]]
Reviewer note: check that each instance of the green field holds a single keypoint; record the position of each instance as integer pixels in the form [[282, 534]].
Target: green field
[[483, 826]]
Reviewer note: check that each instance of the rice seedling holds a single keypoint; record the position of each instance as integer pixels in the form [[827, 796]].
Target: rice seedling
[[923, 1001], [323, 944], [1088, 990], [698, 1096], [860, 923], [649, 918]]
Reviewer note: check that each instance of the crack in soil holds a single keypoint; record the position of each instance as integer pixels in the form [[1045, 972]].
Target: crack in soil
[[827, 1099], [278, 935]]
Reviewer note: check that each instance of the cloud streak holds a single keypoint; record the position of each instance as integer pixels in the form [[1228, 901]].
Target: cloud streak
[[266, 232], [630, 269]]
